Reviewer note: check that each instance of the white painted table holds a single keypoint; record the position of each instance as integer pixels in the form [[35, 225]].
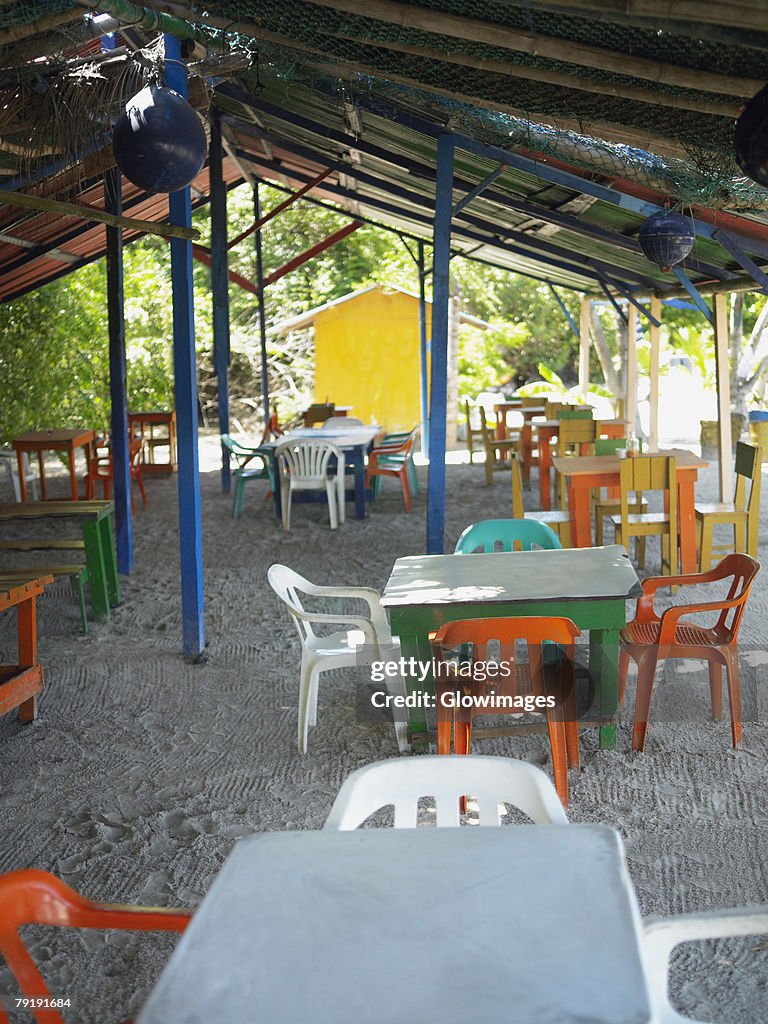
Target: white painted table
[[514, 925]]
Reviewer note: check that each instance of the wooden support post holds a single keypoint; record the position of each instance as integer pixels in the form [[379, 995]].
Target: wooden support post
[[723, 378], [118, 377], [423, 351], [584, 336], [630, 398], [262, 310], [653, 374], [438, 391], [220, 288], [185, 374]]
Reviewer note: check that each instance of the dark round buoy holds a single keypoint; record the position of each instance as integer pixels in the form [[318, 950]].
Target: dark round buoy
[[751, 138], [159, 141], [666, 238]]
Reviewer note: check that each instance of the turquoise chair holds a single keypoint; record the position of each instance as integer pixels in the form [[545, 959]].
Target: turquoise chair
[[511, 534], [251, 464]]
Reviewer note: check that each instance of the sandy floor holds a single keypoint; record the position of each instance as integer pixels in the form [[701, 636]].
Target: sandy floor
[[143, 770]]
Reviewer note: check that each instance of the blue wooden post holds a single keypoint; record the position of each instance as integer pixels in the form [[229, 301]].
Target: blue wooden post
[[423, 349], [118, 386], [185, 373], [438, 390], [262, 306], [220, 288]]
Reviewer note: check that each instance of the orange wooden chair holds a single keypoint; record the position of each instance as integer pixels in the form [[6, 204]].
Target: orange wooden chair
[[272, 429], [392, 460], [101, 469], [36, 897], [515, 680], [651, 638]]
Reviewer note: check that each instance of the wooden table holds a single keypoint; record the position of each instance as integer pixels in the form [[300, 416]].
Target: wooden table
[[588, 586], [501, 409], [42, 441], [525, 924], [583, 473], [353, 441], [145, 423], [547, 431], [21, 683], [95, 518]]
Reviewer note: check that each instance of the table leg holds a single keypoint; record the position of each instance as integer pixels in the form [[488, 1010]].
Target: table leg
[[359, 463], [526, 449], [43, 485], [73, 491], [545, 479], [109, 558], [604, 669], [581, 522], [22, 479], [97, 576], [414, 646], [27, 633], [687, 523]]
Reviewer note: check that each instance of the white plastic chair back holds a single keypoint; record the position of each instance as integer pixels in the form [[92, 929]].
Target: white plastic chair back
[[663, 934], [288, 584], [446, 778], [307, 460]]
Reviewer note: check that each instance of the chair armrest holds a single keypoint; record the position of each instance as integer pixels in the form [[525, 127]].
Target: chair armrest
[[371, 597], [671, 616], [644, 611], [359, 621]]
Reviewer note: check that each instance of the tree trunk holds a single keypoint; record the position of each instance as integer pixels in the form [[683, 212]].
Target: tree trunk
[[610, 376], [740, 386]]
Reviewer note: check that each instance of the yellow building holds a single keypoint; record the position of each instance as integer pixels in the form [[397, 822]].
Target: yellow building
[[367, 354]]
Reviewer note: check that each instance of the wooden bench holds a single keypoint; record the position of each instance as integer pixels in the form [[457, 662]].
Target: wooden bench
[[76, 573]]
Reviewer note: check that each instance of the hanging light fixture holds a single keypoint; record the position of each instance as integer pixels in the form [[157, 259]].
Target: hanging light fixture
[[158, 140], [751, 138], [666, 238]]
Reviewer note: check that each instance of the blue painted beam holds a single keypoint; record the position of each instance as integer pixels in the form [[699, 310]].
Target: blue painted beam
[[732, 246], [262, 309], [478, 190], [630, 298], [118, 377], [185, 374], [693, 291], [439, 378], [220, 290], [423, 352], [566, 312]]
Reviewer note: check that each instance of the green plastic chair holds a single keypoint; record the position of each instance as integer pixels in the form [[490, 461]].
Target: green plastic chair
[[511, 534], [246, 470]]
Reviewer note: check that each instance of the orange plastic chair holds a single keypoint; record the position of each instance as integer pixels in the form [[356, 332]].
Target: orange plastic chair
[[382, 463], [538, 677], [36, 897], [651, 638], [101, 469]]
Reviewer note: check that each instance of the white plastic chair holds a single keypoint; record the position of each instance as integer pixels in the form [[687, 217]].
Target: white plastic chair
[[337, 650], [447, 778], [662, 934], [11, 467], [304, 467]]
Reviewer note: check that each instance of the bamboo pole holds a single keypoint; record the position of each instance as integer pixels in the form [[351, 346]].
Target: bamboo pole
[[653, 375], [32, 28], [571, 82], [46, 205], [723, 378], [630, 398], [492, 34]]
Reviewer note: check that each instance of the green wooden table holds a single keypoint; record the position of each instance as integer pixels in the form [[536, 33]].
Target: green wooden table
[[588, 585], [95, 518]]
